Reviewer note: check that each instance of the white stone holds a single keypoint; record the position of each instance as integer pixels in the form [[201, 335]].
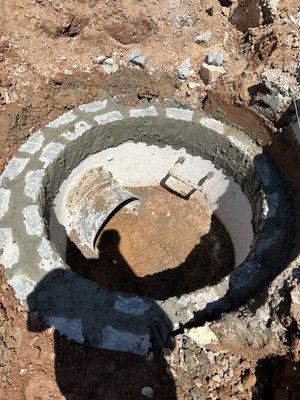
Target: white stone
[[204, 37], [33, 181], [202, 335], [33, 221], [108, 117], [109, 68], [4, 201], [147, 391], [62, 120], [114, 339], [14, 167], [185, 69], [93, 107], [179, 113], [9, 250], [213, 124], [22, 286], [48, 262], [33, 144], [50, 153], [131, 305], [79, 129], [143, 112]]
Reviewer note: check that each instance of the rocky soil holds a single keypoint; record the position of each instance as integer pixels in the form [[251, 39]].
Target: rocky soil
[[239, 60]]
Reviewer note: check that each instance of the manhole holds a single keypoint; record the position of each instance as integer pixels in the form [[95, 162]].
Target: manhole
[[198, 222]]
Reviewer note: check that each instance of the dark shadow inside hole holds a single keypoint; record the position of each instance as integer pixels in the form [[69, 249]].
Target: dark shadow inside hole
[[277, 378], [206, 265]]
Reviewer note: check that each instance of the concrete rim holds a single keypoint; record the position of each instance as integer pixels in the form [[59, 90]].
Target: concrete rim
[[32, 179]]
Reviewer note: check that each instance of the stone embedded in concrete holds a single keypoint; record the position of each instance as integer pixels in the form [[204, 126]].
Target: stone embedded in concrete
[[108, 117], [62, 120], [204, 37], [114, 339], [143, 112], [93, 107], [33, 221], [50, 153], [9, 250], [79, 129], [49, 259], [14, 168], [71, 327], [179, 113], [131, 305], [33, 143], [185, 69], [210, 73], [22, 286], [33, 181], [213, 124], [4, 201]]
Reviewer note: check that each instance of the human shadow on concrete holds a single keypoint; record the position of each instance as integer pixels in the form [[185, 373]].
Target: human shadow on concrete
[[101, 321], [95, 364]]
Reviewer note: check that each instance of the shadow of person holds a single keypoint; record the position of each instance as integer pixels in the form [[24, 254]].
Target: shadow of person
[[208, 262], [112, 332], [103, 326]]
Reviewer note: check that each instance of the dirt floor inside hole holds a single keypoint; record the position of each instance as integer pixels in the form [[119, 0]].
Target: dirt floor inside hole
[[173, 246], [46, 52]]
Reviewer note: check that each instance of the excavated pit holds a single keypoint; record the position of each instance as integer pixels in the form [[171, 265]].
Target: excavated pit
[[185, 260]]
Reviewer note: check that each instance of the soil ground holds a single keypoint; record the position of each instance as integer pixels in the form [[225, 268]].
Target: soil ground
[[46, 68]]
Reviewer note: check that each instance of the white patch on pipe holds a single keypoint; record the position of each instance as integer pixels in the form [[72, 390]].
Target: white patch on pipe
[[93, 107], [50, 153], [33, 221], [33, 181], [33, 144], [9, 250]]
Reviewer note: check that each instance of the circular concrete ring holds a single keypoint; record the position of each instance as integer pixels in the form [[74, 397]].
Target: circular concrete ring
[[83, 310]]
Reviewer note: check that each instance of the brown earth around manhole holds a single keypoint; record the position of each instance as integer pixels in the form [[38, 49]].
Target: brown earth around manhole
[[172, 247]]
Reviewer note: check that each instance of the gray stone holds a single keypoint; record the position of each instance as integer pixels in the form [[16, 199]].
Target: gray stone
[[204, 37], [185, 69], [137, 58], [99, 59], [214, 57], [147, 391], [109, 68]]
